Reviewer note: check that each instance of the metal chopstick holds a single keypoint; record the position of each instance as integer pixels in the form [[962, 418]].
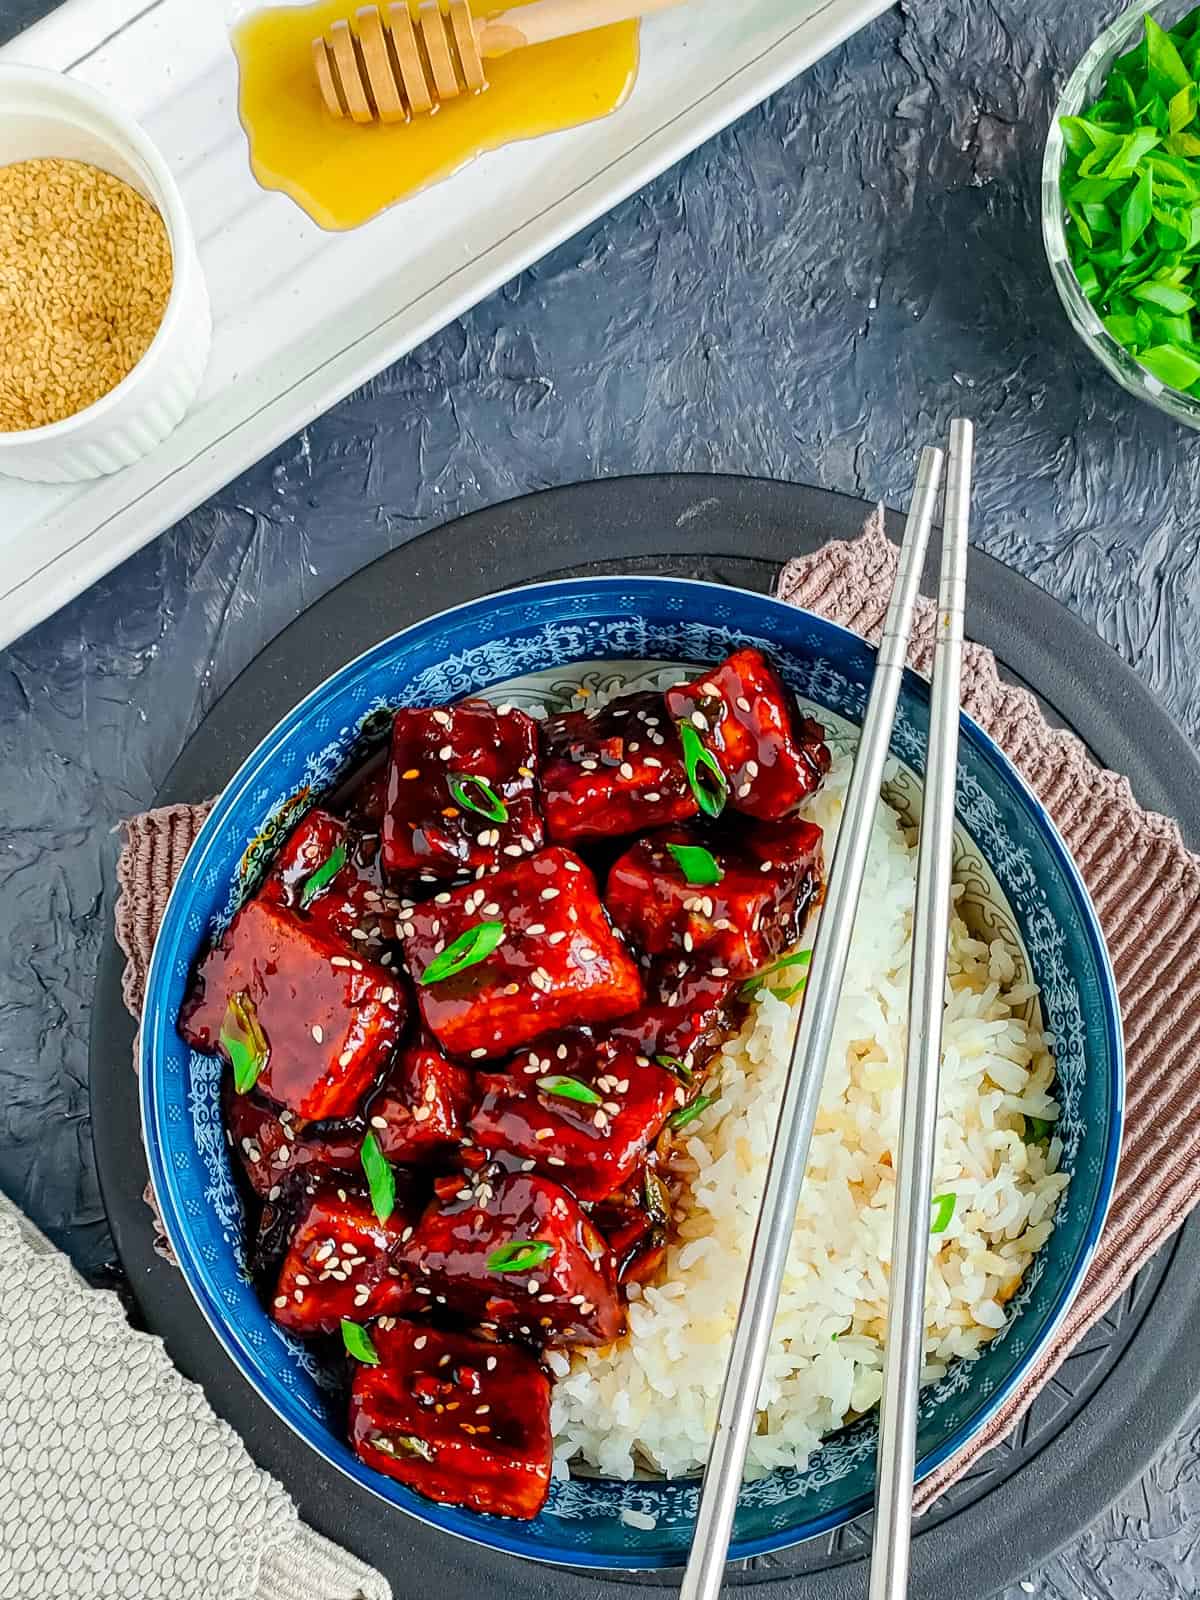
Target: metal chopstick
[[904, 1349], [806, 1070]]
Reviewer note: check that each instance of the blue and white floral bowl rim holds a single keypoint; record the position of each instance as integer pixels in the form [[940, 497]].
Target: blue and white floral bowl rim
[[636, 639]]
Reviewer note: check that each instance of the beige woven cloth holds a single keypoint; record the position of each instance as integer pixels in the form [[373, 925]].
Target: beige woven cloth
[[1145, 883], [117, 1480]]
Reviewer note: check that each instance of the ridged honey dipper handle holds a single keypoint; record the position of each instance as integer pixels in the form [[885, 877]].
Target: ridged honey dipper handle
[[392, 63], [556, 19]]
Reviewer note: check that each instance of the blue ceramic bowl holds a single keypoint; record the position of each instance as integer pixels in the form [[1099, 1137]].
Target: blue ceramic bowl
[[471, 648]]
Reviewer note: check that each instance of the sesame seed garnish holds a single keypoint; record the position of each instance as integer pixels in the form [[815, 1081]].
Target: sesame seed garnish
[[555, 1161], [491, 1363], [513, 850], [700, 721], [339, 961], [346, 1057], [558, 937], [280, 1301], [442, 718], [544, 1133], [550, 894], [318, 1033], [478, 1055]]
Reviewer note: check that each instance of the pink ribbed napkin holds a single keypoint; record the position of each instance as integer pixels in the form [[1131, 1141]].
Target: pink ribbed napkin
[[1145, 884]]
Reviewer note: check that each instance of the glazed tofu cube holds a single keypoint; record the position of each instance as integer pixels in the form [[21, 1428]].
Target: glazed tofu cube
[[264, 1139], [771, 755], [459, 1420], [348, 903], [615, 770], [362, 799], [636, 1225], [339, 1264], [584, 1110], [329, 1020], [688, 1016], [731, 928], [461, 795], [558, 961], [420, 1114], [516, 1253]]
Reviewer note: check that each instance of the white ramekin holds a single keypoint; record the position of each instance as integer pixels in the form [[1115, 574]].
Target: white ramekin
[[44, 114]]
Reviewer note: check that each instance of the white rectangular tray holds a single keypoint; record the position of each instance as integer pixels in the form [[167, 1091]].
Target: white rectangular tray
[[303, 317]]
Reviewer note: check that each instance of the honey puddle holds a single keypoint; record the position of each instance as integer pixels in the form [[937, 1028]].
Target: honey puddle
[[343, 174]]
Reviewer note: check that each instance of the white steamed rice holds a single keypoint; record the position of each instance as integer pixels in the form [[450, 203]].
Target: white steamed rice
[[650, 1400]]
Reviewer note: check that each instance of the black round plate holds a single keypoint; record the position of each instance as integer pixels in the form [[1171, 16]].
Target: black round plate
[[1122, 1393]]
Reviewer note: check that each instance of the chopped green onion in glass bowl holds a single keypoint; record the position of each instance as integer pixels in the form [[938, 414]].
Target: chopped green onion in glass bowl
[[1121, 203]]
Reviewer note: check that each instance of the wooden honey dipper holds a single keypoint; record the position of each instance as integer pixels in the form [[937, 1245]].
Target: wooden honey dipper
[[388, 68]]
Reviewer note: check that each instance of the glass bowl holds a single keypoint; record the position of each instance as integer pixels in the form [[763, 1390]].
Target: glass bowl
[[1082, 88]]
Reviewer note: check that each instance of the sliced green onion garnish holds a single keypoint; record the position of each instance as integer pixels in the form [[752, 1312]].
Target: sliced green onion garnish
[[570, 1089], [484, 801], [473, 946], [658, 1202], [244, 1042], [316, 881], [708, 782], [1131, 191], [381, 1180], [408, 1444], [943, 1210], [699, 866], [518, 1255], [798, 958], [677, 1068], [690, 1113], [1037, 1130], [358, 1342]]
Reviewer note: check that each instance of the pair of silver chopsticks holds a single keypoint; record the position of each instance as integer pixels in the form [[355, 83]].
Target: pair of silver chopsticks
[[810, 1049]]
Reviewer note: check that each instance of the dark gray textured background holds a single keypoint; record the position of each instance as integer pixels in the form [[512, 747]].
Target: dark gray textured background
[[810, 296]]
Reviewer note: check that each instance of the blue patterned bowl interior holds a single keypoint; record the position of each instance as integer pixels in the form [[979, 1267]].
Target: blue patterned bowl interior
[[530, 630]]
